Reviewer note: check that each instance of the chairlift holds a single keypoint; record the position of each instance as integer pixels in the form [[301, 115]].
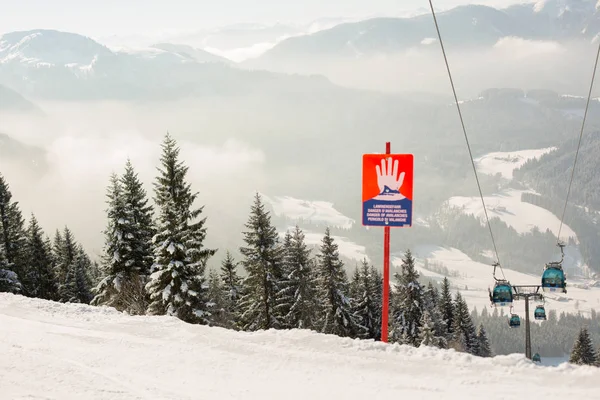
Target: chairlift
[[540, 313], [553, 278], [502, 295], [536, 358], [514, 321]]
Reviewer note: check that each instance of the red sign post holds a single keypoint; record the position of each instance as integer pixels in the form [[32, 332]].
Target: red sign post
[[387, 194]]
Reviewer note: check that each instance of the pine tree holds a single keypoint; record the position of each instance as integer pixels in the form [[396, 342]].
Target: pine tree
[[13, 257], [76, 288], [427, 335], [376, 282], [263, 259], [176, 285], [583, 350], [336, 315], [431, 301], [300, 283], [463, 329], [125, 253], [408, 307], [365, 306], [231, 285], [217, 304], [483, 348], [140, 230], [286, 290], [446, 307], [40, 264], [66, 255]]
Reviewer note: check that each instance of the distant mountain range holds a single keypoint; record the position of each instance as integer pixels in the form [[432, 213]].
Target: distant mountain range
[[59, 65], [464, 26]]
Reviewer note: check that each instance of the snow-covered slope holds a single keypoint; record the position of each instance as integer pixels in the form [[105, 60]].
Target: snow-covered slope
[[507, 204], [68, 351], [316, 212], [473, 279]]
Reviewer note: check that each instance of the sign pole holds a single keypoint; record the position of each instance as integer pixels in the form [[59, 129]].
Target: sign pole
[[386, 274]]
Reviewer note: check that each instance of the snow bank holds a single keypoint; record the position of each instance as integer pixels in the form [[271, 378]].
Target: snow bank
[[52, 350]]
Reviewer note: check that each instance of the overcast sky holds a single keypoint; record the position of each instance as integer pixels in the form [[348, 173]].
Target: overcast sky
[[126, 17]]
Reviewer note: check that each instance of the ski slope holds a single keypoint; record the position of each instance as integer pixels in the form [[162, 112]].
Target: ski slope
[[69, 351]]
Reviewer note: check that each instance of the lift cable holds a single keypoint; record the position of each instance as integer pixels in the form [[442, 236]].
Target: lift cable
[[466, 139]]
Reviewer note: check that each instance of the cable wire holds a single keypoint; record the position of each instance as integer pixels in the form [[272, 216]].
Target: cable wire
[[578, 146], [466, 137]]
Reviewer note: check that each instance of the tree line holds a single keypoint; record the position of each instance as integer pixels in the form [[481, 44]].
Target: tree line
[[154, 262]]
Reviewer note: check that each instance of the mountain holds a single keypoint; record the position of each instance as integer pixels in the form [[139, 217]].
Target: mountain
[[13, 101], [60, 65], [464, 26], [197, 55], [31, 159]]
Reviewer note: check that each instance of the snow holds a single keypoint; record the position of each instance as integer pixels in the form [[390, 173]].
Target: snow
[[72, 351], [309, 211], [477, 278], [507, 206], [506, 162]]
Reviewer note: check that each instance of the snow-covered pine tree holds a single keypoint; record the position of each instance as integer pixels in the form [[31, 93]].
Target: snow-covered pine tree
[[300, 283], [446, 307], [127, 253], [231, 285], [115, 289], [263, 259], [176, 285], [13, 257], [376, 281], [427, 335], [431, 302], [483, 349], [463, 329], [365, 306], [286, 291], [217, 302], [408, 304], [140, 229], [77, 285], [40, 271], [64, 255], [336, 316], [583, 350]]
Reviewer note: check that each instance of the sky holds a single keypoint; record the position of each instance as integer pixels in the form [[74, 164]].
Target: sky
[[128, 17]]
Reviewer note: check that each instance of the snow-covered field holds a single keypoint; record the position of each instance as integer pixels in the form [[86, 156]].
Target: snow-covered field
[[316, 212], [505, 163], [507, 206], [68, 351], [474, 279]]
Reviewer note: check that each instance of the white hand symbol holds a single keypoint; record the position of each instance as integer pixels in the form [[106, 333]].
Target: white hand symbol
[[387, 176]]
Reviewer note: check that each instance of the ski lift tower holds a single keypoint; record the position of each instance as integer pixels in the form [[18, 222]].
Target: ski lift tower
[[526, 292]]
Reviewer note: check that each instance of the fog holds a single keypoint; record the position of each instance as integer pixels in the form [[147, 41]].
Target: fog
[[512, 62], [87, 142], [223, 138]]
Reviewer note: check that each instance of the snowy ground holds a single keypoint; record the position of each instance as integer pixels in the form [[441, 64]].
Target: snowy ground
[[477, 277], [67, 351], [507, 206], [505, 163], [309, 211]]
